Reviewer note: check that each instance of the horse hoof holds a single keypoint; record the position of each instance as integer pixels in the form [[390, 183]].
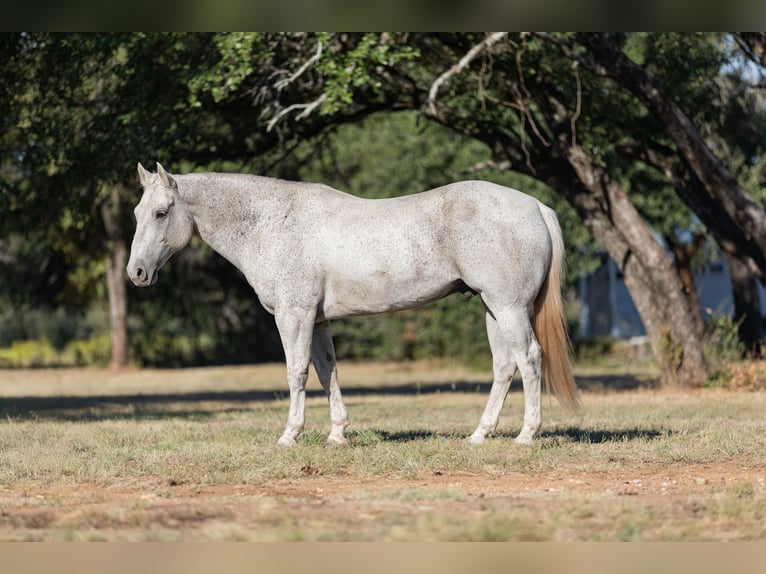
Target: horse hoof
[[524, 441], [286, 442], [334, 442], [476, 439]]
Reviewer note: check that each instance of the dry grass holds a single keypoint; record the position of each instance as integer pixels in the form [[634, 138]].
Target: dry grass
[[191, 455]]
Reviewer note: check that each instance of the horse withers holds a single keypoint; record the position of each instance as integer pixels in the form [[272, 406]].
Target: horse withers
[[313, 254]]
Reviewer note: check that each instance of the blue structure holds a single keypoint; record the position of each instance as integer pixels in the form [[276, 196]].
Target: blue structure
[[607, 309]]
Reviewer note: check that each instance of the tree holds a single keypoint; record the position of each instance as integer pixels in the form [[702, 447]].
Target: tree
[[616, 124], [81, 110], [575, 112], [717, 187], [700, 175], [556, 133]]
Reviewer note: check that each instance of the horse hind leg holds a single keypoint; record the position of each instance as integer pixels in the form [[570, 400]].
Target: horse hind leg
[[513, 345], [323, 357], [528, 354], [503, 367], [530, 363]]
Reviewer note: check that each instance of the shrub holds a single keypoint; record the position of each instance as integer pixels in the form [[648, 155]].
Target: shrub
[[28, 354], [40, 353], [722, 348], [95, 351]]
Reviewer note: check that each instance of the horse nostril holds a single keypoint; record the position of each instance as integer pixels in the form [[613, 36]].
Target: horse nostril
[[140, 273]]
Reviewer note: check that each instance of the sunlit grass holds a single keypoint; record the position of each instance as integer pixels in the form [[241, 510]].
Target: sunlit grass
[[400, 434]]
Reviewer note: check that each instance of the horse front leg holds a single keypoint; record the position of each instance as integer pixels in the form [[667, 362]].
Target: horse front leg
[[296, 333], [323, 357]]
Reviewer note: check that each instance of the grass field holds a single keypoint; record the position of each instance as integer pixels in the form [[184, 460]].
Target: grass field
[[191, 455]]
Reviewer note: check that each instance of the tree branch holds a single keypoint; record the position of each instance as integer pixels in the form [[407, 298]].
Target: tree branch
[[753, 45], [307, 109], [462, 64], [282, 84], [729, 236], [485, 164]]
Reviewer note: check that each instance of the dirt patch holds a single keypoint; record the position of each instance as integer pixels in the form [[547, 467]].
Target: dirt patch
[[363, 507]]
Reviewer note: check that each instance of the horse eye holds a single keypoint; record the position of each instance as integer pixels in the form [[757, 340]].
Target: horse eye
[[160, 214]]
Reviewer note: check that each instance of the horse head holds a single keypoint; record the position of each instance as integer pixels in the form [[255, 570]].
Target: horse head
[[164, 225]]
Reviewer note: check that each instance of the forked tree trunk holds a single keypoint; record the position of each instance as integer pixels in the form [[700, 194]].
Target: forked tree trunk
[[671, 324], [112, 215]]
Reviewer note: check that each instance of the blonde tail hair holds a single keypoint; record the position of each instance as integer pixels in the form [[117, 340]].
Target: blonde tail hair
[[550, 323]]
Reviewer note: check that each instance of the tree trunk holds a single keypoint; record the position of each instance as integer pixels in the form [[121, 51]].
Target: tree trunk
[[650, 274], [118, 303], [747, 306], [684, 255], [112, 213]]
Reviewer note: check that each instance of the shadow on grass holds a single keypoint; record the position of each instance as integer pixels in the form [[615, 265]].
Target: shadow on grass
[[570, 434], [204, 404], [590, 436], [365, 436]]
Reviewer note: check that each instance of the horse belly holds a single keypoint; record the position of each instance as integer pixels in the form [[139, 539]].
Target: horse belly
[[383, 290]]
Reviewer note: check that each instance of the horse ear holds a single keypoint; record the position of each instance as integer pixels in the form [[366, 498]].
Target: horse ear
[[143, 175], [166, 179]]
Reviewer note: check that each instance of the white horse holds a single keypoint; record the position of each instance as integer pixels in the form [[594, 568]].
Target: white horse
[[313, 254]]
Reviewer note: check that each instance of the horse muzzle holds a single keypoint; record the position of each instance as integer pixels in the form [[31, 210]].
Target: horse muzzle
[[141, 275]]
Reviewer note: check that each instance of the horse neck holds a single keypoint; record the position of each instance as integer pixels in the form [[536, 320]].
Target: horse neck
[[223, 209]]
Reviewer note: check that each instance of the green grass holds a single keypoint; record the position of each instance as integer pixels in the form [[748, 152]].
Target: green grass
[[191, 455]]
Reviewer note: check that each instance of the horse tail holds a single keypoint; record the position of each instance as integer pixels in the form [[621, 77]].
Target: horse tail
[[550, 323]]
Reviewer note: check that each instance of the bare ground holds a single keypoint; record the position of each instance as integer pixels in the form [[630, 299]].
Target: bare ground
[[389, 508]]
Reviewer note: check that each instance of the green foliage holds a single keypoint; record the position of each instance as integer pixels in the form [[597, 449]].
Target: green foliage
[[169, 347], [346, 72], [58, 337], [594, 350], [722, 339], [345, 62], [26, 354], [201, 311], [95, 351], [57, 326], [389, 155], [238, 53], [37, 353]]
